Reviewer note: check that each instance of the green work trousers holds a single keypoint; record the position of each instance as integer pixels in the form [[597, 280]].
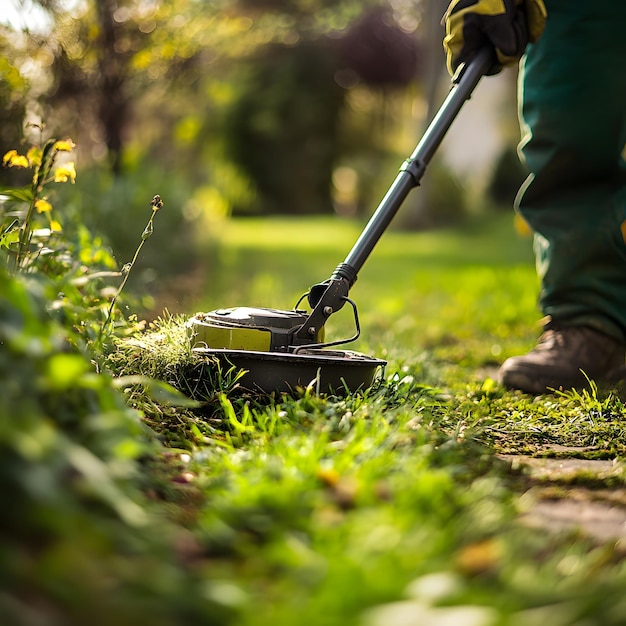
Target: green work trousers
[[573, 115]]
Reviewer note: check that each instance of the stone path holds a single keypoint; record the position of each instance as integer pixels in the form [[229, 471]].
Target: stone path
[[557, 502]]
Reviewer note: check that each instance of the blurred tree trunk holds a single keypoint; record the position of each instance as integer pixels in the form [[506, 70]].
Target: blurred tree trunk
[[92, 86], [419, 215], [113, 104]]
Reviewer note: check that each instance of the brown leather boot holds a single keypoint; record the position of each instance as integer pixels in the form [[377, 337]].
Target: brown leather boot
[[563, 358]]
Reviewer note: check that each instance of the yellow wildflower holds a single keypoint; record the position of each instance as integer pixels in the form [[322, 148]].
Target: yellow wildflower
[[34, 156], [55, 226], [64, 145], [66, 172], [13, 159], [43, 206], [8, 156]]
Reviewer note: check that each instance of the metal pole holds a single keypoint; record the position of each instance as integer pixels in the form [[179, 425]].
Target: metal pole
[[412, 170], [330, 296]]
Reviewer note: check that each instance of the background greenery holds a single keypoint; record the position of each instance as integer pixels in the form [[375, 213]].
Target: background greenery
[[127, 501], [232, 108]]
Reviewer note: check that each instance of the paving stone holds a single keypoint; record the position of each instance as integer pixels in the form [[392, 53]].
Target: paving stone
[[602, 521], [598, 513], [562, 469]]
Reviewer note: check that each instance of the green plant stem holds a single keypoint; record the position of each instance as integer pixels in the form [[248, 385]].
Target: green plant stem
[[126, 273], [42, 172], [25, 232]]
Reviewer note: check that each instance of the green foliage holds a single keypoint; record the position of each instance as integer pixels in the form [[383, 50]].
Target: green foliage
[[141, 485], [347, 511], [80, 542], [72, 266], [17, 234], [587, 420], [156, 205], [169, 89], [163, 353], [115, 208], [282, 127]]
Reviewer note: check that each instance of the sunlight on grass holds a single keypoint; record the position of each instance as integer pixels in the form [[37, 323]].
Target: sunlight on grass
[[475, 283], [388, 506]]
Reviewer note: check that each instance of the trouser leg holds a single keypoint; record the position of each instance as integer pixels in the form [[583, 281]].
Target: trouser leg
[[573, 112]]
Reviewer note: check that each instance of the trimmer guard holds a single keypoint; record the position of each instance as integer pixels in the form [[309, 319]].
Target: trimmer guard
[[336, 372]]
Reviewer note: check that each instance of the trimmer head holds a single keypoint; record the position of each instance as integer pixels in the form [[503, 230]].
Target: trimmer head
[[324, 371], [259, 342]]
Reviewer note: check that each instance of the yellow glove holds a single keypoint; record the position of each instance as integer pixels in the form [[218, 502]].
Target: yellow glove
[[507, 25]]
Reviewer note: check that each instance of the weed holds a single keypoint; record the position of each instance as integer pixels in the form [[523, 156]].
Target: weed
[[162, 352], [83, 516], [156, 205]]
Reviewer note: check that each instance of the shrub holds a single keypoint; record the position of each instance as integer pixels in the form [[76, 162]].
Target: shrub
[[85, 537]]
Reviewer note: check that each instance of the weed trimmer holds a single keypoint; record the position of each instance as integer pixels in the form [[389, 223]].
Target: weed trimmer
[[283, 350]]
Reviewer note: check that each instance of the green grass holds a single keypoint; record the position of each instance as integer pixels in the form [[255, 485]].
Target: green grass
[[142, 485], [391, 506]]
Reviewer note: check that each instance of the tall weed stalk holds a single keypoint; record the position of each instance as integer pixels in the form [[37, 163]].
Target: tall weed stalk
[[156, 204]]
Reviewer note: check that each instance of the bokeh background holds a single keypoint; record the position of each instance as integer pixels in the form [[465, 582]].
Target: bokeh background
[[231, 109]]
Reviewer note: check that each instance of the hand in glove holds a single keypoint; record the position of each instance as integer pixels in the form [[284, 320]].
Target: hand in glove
[[508, 25]]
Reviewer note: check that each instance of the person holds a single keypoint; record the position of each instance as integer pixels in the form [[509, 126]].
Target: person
[[572, 104]]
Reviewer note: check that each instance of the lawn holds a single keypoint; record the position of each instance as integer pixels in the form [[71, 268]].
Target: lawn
[[393, 507], [145, 487]]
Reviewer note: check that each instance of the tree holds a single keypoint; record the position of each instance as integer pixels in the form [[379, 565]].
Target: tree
[[162, 83]]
